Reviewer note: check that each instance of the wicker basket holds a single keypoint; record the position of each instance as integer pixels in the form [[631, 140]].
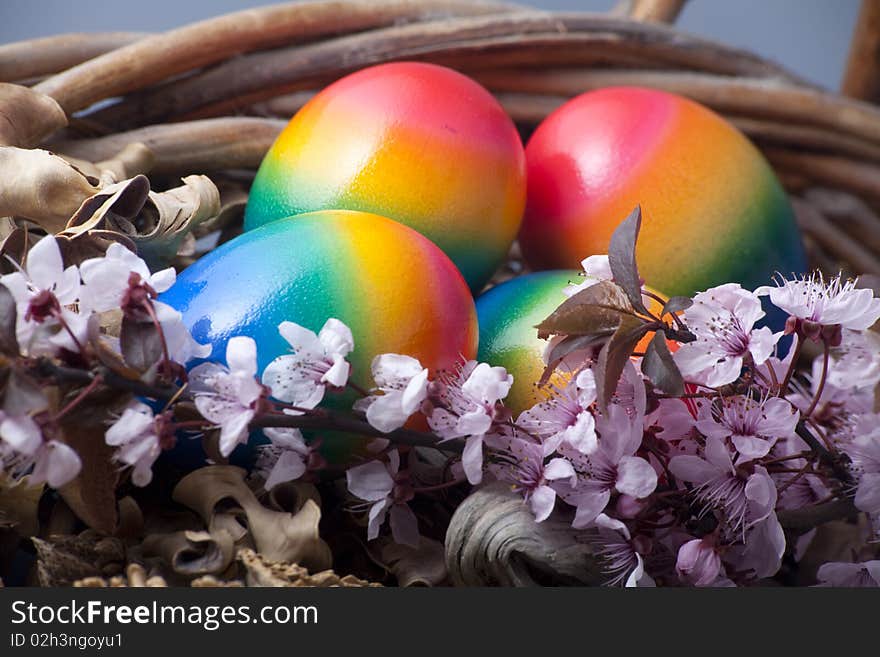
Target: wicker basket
[[212, 96]]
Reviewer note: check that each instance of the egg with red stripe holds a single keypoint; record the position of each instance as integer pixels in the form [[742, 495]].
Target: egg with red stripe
[[713, 210], [418, 143], [396, 291]]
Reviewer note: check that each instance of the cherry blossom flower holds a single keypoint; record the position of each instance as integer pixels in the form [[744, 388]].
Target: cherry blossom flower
[[723, 319], [672, 420], [317, 361], [762, 547], [228, 396], [44, 292], [288, 458], [55, 463], [403, 383], [612, 467], [618, 553], [387, 491], [743, 500], [522, 464], [865, 574], [107, 279], [466, 405], [25, 449], [136, 434], [596, 269], [826, 304], [864, 453], [566, 417], [698, 563], [182, 347], [753, 426], [855, 364]]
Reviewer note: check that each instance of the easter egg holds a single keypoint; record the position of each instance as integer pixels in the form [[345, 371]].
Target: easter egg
[[396, 291], [508, 314], [418, 143], [713, 210]]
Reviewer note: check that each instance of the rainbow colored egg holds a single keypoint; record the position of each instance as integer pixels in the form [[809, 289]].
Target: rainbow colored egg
[[395, 289], [418, 143], [713, 210], [508, 314]]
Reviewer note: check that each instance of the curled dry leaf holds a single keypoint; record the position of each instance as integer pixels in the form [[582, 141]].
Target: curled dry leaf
[[42, 187], [493, 540], [421, 566], [279, 536], [25, 116], [261, 571], [61, 560], [156, 223], [192, 553]]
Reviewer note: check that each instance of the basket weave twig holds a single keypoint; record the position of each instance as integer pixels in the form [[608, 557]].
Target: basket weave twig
[[212, 96]]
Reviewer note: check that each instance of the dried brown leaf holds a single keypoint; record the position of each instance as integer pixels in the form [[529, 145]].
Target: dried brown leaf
[[192, 553], [279, 536], [42, 187], [594, 311]]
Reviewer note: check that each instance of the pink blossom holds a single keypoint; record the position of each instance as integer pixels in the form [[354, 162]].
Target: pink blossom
[[618, 553], [228, 396], [288, 457], [832, 303], [596, 269], [753, 426], [55, 464], [698, 563], [522, 464], [403, 383], [566, 417], [136, 435], [106, 279], [743, 500], [386, 490], [865, 574], [466, 404], [864, 452], [611, 468], [45, 292], [723, 319], [318, 361]]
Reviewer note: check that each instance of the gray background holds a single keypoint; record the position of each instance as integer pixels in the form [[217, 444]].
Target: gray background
[[810, 37]]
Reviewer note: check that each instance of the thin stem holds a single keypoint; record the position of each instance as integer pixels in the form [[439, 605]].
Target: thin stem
[[85, 392], [780, 459], [331, 420], [436, 487], [363, 392], [825, 356]]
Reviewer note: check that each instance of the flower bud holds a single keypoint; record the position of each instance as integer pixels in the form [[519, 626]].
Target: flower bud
[[698, 563]]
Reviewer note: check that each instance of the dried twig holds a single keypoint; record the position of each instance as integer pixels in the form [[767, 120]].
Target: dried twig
[[38, 57]]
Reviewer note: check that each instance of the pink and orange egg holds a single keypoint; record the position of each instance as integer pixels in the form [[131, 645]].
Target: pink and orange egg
[[713, 210], [418, 143]]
